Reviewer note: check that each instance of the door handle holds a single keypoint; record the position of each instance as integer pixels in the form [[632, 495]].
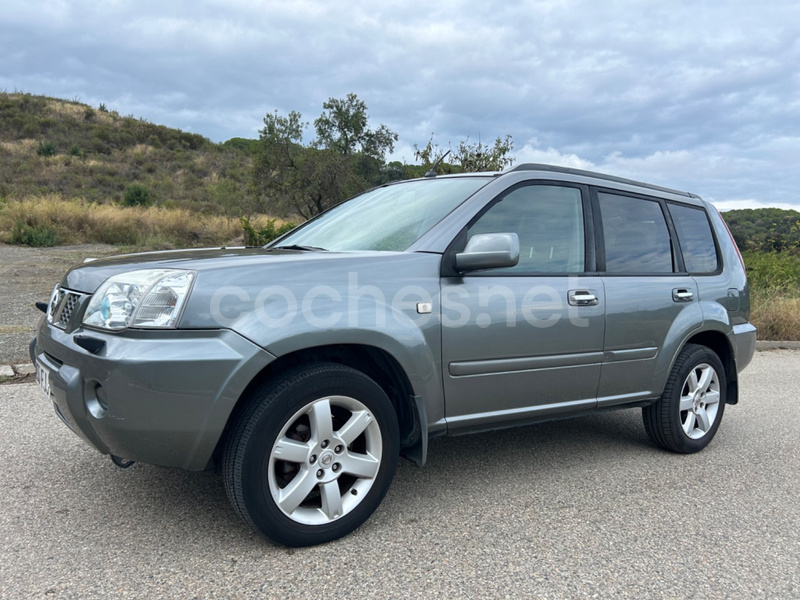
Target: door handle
[[682, 295], [582, 298]]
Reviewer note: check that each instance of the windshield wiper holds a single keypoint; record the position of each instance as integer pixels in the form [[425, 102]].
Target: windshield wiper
[[298, 247]]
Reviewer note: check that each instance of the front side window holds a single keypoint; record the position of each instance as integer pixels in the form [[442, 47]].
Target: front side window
[[636, 235], [548, 220], [695, 237]]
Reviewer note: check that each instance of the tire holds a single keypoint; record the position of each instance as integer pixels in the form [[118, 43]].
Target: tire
[[312, 456], [689, 412]]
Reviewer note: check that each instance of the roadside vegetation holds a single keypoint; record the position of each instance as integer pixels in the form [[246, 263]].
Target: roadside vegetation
[[72, 173], [770, 242], [774, 293], [53, 221]]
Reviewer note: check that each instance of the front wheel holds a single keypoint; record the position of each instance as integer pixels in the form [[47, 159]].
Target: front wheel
[[313, 456], [689, 412]]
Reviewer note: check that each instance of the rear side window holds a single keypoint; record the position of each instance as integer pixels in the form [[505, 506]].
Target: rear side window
[[636, 235], [695, 237]]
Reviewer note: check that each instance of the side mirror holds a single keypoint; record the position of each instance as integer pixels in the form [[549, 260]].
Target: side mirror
[[489, 251]]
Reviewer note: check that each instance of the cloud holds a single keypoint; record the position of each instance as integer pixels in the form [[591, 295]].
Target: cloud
[[701, 96], [530, 154], [724, 205]]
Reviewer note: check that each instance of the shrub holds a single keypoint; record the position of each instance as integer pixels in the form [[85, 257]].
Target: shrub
[[773, 270], [137, 195], [39, 235], [75, 150], [46, 149], [243, 144], [29, 130], [46, 124], [265, 234], [774, 294]]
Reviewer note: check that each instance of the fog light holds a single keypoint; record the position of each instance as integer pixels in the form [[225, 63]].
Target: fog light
[[95, 400]]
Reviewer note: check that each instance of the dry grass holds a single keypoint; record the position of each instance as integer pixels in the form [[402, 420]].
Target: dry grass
[[776, 314], [62, 108], [78, 221], [76, 110], [19, 148], [142, 149]]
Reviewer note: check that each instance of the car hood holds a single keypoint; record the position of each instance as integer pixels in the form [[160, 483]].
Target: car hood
[[87, 277]]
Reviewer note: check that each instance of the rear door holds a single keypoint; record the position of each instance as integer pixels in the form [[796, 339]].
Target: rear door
[[648, 292]]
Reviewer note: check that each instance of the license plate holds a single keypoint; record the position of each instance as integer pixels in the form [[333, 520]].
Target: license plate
[[43, 378]]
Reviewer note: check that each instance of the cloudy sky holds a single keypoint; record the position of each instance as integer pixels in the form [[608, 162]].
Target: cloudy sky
[[698, 95]]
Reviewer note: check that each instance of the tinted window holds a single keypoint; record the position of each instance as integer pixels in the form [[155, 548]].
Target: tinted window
[[696, 240], [549, 222], [636, 235]]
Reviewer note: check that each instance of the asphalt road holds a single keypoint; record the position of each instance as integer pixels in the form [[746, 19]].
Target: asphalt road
[[586, 508]]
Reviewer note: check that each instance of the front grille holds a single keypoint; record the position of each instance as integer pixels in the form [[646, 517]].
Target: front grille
[[69, 305], [63, 306]]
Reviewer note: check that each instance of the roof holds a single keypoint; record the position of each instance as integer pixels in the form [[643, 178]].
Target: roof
[[592, 174]]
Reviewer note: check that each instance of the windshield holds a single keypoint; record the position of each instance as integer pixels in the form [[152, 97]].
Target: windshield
[[386, 218]]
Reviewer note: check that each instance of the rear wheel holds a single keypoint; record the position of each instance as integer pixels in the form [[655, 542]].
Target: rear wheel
[[689, 412], [313, 456]]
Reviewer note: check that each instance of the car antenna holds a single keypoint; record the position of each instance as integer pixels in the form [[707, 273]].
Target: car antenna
[[432, 172]]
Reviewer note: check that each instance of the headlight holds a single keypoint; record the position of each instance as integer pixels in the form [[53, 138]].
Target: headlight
[[150, 298], [52, 306]]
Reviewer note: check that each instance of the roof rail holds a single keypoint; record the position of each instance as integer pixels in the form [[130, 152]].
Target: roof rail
[[570, 171]]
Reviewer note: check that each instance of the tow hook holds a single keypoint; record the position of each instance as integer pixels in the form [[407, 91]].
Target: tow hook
[[121, 462]]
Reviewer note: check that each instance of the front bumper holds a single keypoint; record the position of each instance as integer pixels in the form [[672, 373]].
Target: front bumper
[[159, 397]]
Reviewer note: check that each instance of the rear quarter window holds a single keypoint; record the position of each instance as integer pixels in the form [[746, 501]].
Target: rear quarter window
[[695, 238]]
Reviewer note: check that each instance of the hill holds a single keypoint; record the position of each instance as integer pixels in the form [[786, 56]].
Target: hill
[[68, 150], [51, 146], [765, 229]]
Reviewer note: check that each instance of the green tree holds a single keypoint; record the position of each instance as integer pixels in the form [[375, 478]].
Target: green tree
[[242, 144], [343, 128], [468, 157], [477, 157], [765, 229], [277, 161], [346, 158]]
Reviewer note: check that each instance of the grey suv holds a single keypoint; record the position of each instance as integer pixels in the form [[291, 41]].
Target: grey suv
[[448, 304]]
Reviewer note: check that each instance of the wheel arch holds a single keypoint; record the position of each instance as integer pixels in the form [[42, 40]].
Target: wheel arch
[[377, 364], [719, 343]]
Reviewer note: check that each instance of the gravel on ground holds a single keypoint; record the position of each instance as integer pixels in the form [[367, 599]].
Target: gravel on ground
[[28, 275]]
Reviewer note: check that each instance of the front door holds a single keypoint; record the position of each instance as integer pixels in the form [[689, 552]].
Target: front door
[[525, 341]]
